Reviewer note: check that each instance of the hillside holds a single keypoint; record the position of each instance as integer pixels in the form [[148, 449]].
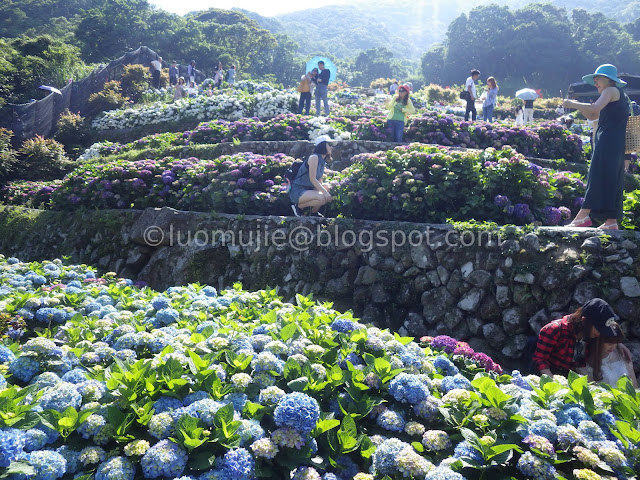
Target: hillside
[[407, 29]]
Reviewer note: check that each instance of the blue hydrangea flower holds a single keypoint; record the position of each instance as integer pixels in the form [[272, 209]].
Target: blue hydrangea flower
[[167, 404], [238, 464], [392, 420], [544, 428], [188, 400], [34, 439], [50, 315], [116, 468], [75, 376], [24, 368], [164, 459], [60, 397], [298, 411], [456, 381], [210, 291], [12, 442], [465, 450], [408, 388], [160, 303], [204, 409], [237, 399], [343, 325], [534, 467], [161, 425], [6, 355], [429, 408], [72, 458], [48, 464], [266, 362], [385, 456], [443, 473], [167, 316], [445, 365], [518, 379], [572, 414]]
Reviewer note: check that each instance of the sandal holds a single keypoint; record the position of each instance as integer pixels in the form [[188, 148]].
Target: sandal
[[581, 222], [610, 226]]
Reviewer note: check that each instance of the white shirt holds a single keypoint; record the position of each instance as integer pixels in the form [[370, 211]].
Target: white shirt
[[156, 65], [471, 83]]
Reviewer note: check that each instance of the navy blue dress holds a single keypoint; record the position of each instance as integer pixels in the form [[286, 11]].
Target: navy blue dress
[[605, 182]]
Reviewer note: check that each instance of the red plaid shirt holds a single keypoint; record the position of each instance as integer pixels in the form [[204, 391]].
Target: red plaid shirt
[[556, 346]]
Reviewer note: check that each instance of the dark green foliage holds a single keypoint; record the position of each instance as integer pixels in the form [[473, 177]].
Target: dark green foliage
[[8, 156], [135, 80], [110, 98], [73, 132], [42, 159]]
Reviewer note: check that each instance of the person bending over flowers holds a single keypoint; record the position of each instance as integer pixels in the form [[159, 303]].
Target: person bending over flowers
[[563, 344]]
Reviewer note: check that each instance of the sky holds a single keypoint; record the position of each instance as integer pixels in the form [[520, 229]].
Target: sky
[[266, 8]]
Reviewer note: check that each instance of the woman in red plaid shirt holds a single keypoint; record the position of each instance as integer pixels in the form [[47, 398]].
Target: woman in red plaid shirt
[[563, 344]]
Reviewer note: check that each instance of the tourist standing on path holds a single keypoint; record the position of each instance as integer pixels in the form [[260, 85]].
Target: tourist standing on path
[[393, 88], [490, 102], [156, 68], [470, 85], [191, 72], [400, 108], [321, 88], [306, 188], [528, 111], [605, 181], [180, 90], [174, 73], [219, 75], [231, 75], [304, 87]]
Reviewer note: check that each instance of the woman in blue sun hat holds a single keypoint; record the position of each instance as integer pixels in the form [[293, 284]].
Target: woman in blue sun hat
[[605, 181]]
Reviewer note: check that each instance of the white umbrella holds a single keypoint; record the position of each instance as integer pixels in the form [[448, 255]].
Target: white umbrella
[[526, 94], [51, 89]]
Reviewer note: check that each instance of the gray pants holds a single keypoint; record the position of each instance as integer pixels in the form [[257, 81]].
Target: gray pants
[[321, 94]]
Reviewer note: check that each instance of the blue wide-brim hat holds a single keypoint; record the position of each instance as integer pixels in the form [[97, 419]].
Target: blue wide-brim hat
[[606, 70]]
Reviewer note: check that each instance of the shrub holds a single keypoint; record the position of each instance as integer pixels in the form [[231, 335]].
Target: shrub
[[8, 156], [110, 98], [42, 158], [73, 131], [383, 83], [436, 93], [135, 80]]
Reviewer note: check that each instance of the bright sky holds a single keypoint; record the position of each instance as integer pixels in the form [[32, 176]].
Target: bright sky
[[266, 8]]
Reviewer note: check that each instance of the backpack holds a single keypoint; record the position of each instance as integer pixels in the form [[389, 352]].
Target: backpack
[[292, 172]]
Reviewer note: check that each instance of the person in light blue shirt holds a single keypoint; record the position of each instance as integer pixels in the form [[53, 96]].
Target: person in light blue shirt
[[490, 102]]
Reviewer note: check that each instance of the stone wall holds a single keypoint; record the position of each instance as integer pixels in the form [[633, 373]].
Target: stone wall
[[491, 289]]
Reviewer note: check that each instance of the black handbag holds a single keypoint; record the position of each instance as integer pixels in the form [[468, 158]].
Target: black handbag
[[464, 94]]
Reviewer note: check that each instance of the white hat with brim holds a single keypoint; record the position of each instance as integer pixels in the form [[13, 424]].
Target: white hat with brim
[[606, 70], [323, 138]]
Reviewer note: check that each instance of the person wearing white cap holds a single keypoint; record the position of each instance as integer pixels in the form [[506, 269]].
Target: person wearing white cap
[[306, 189]]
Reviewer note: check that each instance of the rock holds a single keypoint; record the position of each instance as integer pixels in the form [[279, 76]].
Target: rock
[[629, 245], [388, 265], [422, 256], [479, 278], [628, 309], [630, 286], [538, 320], [466, 269], [452, 319], [415, 325], [455, 282], [489, 309], [508, 262], [433, 278], [612, 295], [521, 294], [434, 302], [379, 294], [527, 278], [338, 286], [515, 347], [494, 334], [503, 296], [366, 276], [443, 273], [592, 244], [412, 272], [578, 272], [531, 242], [611, 258], [634, 348], [510, 246], [371, 314], [470, 301], [475, 325], [552, 280], [514, 321], [558, 299], [585, 291]]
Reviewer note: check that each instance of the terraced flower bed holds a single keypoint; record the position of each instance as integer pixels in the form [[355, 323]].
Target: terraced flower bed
[[101, 378], [413, 183]]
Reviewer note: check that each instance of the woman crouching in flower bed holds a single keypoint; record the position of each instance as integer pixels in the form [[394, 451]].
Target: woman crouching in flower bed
[[306, 189]]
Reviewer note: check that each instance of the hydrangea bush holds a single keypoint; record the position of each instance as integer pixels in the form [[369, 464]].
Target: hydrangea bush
[[116, 381]]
